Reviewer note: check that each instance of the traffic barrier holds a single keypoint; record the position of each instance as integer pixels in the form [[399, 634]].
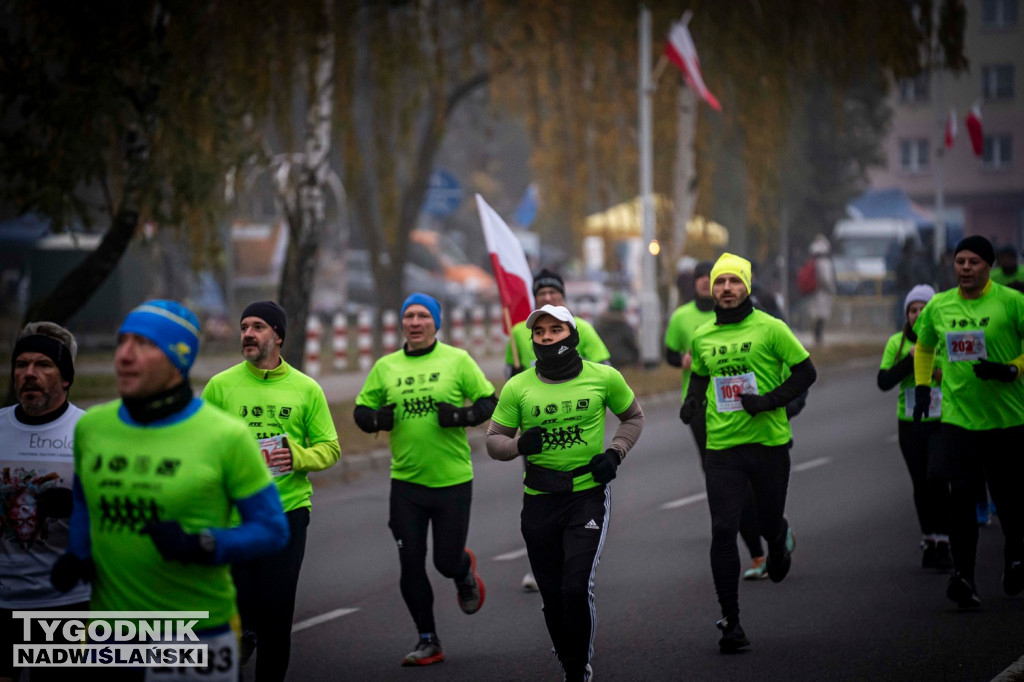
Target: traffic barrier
[[497, 327], [364, 338], [339, 340], [389, 337], [314, 329], [477, 331], [458, 328]]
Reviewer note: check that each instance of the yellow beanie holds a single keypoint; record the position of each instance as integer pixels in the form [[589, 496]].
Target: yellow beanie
[[732, 265]]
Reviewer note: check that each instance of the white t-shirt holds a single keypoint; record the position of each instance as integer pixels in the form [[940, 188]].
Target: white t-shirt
[[34, 458]]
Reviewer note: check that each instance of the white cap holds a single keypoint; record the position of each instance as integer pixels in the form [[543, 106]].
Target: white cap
[[559, 312]]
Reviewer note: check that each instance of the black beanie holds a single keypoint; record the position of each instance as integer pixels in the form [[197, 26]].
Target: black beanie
[[51, 348], [547, 278], [978, 245], [269, 312], [702, 269]]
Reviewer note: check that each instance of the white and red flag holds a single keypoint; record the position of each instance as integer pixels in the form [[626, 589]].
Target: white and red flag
[[512, 272], [974, 130], [681, 51], [951, 129]]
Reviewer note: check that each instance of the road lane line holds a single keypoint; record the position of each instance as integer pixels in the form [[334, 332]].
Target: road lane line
[[519, 553], [674, 504], [812, 463], [322, 618]]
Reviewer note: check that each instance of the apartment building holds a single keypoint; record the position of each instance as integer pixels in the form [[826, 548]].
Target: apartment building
[[982, 194]]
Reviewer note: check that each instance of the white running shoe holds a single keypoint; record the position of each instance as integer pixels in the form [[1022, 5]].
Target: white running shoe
[[530, 583]]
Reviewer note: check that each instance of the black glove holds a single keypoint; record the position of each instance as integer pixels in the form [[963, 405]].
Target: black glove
[[54, 503], [922, 399], [531, 441], [688, 410], [603, 465], [449, 415], [68, 570], [987, 370], [386, 417], [174, 544], [755, 404]]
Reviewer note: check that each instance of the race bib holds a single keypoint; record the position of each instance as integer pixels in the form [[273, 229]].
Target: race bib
[[728, 390], [934, 408], [268, 445], [968, 345], [221, 662]]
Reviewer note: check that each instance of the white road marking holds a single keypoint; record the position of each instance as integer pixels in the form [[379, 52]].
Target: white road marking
[[674, 504], [509, 556], [322, 618], [812, 463]]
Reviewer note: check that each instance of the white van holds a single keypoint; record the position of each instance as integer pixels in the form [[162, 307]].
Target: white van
[[867, 250]]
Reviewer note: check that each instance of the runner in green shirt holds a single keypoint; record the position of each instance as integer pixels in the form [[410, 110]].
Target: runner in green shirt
[[560, 408], [1008, 269], [739, 365], [919, 443], [286, 412], [156, 476], [549, 289], [418, 394], [980, 328]]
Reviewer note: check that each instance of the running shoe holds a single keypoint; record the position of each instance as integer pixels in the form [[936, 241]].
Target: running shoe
[[588, 675], [733, 638], [984, 512], [962, 591], [758, 571], [427, 652], [779, 562], [471, 590], [928, 556], [1013, 578], [943, 559], [530, 583]]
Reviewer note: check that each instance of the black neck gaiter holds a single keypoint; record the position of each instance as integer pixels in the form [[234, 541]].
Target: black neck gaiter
[[560, 360], [419, 351], [28, 419], [734, 315], [161, 405]]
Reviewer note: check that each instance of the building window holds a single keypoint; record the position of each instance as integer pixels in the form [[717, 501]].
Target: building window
[[998, 13], [998, 151], [915, 89], [997, 81], [914, 155]]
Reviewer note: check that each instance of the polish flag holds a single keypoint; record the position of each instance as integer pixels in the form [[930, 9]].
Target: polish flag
[[951, 128], [974, 130], [680, 51], [515, 281]]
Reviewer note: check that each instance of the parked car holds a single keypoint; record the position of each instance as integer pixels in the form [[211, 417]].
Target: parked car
[[362, 289]]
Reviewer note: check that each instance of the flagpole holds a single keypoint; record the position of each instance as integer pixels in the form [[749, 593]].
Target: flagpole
[[650, 312], [511, 341], [939, 234]]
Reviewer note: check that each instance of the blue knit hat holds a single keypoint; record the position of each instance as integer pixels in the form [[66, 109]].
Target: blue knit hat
[[428, 302], [171, 326]]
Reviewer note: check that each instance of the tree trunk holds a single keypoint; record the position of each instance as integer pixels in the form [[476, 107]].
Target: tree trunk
[[305, 203]]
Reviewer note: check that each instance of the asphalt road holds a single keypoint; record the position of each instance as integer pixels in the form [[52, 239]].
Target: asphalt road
[[856, 605]]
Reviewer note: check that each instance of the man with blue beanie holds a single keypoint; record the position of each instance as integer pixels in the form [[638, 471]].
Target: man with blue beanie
[[286, 412], [156, 476], [418, 394]]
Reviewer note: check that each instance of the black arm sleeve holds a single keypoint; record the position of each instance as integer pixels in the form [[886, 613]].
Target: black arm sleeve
[[673, 357], [366, 418], [481, 410], [698, 387], [887, 378], [802, 376]]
